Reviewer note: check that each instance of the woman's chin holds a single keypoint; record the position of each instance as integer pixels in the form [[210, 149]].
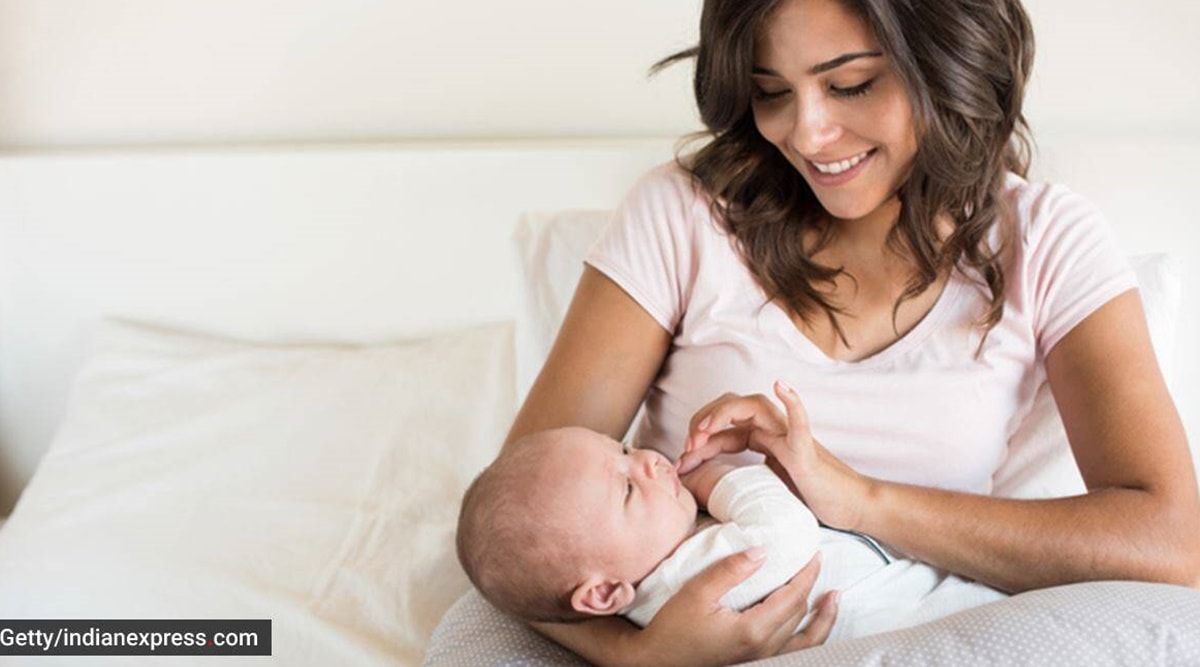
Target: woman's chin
[[846, 210], [849, 207]]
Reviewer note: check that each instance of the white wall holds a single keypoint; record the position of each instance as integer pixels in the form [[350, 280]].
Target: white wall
[[1115, 64], [88, 72], [108, 73], [121, 72]]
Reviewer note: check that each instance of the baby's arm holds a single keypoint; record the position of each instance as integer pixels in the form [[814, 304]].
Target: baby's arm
[[758, 509], [702, 480], [760, 504]]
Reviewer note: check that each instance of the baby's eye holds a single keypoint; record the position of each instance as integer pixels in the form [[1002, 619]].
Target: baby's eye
[[625, 448], [628, 488]]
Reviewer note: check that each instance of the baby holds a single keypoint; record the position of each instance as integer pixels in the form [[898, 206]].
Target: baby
[[570, 525]]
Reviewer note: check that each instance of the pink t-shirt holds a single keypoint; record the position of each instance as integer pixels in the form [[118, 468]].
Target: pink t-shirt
[[923, 411]]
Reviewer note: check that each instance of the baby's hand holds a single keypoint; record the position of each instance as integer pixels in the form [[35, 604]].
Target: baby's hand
[[701, 480]]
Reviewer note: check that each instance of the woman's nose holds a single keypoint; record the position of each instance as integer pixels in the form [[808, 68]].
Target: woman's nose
[[814, 127]]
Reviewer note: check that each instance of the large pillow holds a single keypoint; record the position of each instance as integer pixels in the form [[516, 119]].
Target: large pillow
[[552, 247], [314, 485], [1097, 624]]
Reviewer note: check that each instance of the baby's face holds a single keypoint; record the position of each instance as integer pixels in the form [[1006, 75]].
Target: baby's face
[[629, 505]]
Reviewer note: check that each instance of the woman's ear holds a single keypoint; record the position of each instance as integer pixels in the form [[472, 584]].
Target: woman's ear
[[602, 597]]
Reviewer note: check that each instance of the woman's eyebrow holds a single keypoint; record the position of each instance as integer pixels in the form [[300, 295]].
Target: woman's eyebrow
[[820, 68]]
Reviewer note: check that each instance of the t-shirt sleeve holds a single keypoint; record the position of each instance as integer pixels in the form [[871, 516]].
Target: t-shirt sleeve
[[1074, 265], [648, 248]]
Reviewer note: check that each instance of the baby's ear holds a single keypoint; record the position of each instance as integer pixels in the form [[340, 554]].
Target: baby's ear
[[602, 597]]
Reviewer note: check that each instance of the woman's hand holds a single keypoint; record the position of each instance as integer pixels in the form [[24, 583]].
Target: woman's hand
[[832, 490], [693, 628]]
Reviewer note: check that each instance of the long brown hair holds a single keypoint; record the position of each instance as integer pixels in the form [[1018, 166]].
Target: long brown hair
[[964, 65]]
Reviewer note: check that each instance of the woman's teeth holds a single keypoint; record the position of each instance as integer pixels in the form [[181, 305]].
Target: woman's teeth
[[839, 167]]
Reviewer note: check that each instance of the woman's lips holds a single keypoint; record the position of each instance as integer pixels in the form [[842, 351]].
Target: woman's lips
[[831, 179]]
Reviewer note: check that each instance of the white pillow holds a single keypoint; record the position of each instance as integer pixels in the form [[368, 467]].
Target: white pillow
[[1097, 624], [552, 247], [314, 485]]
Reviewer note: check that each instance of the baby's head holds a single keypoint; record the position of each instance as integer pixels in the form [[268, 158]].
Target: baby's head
[[567, 523]]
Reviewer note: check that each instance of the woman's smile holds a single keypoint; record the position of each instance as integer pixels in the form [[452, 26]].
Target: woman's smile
[[837, 172]]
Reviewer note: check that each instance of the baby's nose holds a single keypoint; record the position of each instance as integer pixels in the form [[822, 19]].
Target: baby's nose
[[653, 463]]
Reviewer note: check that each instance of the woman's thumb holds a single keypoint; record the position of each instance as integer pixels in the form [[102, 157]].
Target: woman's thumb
[[728, 572]]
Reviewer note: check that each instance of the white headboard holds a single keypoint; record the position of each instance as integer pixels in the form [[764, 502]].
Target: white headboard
[[331, 243], [369, 243]]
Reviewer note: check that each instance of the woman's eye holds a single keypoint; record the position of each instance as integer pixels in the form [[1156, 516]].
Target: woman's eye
[[853, 91], [760, 95]]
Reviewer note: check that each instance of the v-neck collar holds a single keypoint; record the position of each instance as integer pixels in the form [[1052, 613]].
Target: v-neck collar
[[777, 319]]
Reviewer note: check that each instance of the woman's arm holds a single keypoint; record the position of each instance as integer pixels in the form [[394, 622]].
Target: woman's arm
[[1140, 518], [607, 353]]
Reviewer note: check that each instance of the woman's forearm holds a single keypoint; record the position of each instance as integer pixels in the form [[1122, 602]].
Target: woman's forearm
[[1141, 517], [1017, 545]]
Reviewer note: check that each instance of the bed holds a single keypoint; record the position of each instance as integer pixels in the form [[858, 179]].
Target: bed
[[252, 383]]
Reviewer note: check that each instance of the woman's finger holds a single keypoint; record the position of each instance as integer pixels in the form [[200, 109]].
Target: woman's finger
[[786, 630], [756, 412], [782, 604], [700, 419], [765, 628], [729, 441], [732, 424], [717, 579], [818, 628]]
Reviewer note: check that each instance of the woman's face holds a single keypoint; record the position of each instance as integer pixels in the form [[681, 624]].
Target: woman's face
[[828, 99]]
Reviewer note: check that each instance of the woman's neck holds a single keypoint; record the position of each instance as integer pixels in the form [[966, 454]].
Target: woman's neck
[[863, 241]]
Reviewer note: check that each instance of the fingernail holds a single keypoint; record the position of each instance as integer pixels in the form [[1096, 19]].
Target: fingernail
[[756, 554], [704, 423], [787, 388]]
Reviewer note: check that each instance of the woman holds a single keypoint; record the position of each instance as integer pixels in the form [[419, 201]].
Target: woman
[[859, 228]]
